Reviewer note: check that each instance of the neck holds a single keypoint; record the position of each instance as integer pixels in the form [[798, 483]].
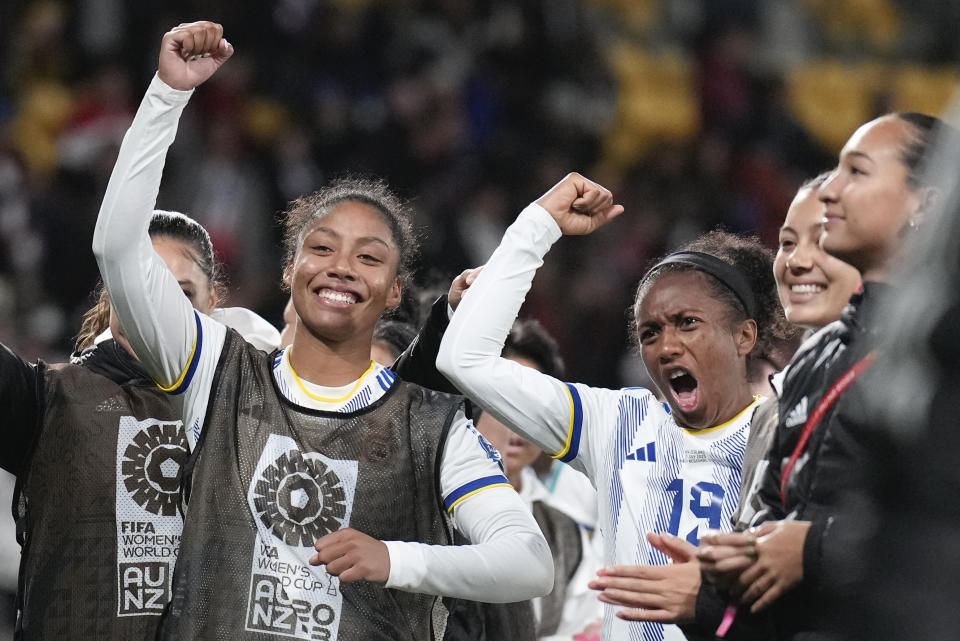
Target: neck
[[745, 401], [515, 477], [543, 464], [875, 275], [876, 265], [729, 411], [329, 364]]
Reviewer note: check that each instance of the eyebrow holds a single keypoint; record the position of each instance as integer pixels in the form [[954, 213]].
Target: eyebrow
[[859, 154], [674, 316], [362, 239]]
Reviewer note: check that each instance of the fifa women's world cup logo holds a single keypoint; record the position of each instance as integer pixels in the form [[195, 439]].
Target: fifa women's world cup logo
[[150, 457], [295, 498], [151, 467], [299, 499]]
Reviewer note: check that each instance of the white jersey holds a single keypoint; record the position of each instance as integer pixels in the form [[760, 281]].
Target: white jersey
[[651, 475], [180, 347]]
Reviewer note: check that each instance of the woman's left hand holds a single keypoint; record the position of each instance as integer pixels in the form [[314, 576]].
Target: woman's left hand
[[659, 593], [779, 564]]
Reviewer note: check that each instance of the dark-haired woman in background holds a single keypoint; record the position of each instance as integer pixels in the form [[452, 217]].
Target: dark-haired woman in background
[[700, 314], [813, 287], [97, 449], [801, 556]]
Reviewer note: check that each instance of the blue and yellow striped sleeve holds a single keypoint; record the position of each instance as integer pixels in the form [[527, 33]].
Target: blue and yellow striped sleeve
[[181, 384], [469, 489], [572, 447]]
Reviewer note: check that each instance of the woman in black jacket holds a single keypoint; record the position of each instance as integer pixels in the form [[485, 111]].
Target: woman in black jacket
[[799, 559]]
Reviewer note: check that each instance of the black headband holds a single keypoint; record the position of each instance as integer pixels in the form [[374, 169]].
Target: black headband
[[721, 270]]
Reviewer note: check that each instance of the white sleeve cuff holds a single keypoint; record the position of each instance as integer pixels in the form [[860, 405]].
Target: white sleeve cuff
[[542, 217], [407, 565], [161, 89]]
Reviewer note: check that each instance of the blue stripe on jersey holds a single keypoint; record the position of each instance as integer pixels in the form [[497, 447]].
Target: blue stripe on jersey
[[632, 413], [573, 444], [284, 388], [386, 378], [277, 360], [471, 488], [361, 400], [648, 632], [181, 386], [728, 472]]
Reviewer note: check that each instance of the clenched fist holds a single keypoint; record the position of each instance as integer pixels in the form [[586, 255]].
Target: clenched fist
[[579, 205], [192, 52]]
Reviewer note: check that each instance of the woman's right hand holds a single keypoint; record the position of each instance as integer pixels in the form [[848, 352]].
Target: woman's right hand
[[190, 53], [461, 284], [579, 205], [725, 555]]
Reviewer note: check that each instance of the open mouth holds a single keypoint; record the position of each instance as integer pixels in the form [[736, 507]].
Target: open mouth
[[685, 389]]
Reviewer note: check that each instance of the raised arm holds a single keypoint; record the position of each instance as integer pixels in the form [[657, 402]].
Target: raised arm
[[157, 318], [541, 408]]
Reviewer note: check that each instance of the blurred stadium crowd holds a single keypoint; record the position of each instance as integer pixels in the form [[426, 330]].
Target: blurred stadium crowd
[[696, 113]]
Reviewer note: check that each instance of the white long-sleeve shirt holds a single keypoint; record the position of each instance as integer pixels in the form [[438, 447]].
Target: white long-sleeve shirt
[[650, 474], [509, 559]]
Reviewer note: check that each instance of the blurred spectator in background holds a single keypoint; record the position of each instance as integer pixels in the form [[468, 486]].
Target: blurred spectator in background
[[699, 113], [465, 107]]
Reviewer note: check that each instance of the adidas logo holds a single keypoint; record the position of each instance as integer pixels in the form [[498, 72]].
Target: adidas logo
[[646, 453], [798, 415], [112, 404]]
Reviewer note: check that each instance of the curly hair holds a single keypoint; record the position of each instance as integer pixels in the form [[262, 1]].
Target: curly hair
[[755, 263], [369, 191]]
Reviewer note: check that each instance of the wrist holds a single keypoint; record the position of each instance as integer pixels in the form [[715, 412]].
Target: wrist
[[161, 86], [406, 563]]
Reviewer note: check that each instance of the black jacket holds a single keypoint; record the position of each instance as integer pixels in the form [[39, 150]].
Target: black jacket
[[823, 486]]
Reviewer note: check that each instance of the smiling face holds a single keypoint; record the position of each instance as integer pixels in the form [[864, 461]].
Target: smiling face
[[869, 202], [694, 352], [344, 274], [813, 285]]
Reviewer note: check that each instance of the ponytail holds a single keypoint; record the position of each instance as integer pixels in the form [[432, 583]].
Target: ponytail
[[95, 321]]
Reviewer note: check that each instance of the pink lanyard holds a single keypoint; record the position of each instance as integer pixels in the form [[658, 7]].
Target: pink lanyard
[[825, 403]]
